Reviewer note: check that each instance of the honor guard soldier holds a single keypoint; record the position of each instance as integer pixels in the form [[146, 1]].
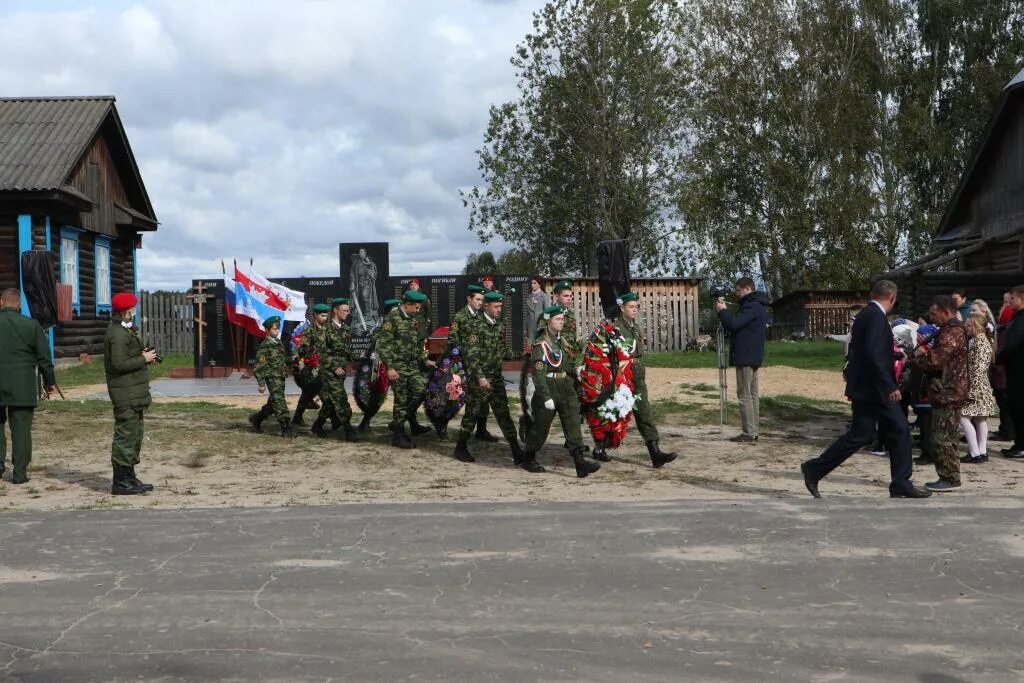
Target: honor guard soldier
[[270, 372], [466, 318], [484, 352], [425, 323], [400, 349], [554, 393], [125, 362], [571, 342], [625, 321], [334, 361], [481, 421], [314, 339], [386, 307]]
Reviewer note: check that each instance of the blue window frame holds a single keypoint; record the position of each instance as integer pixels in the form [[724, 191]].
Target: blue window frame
[[102, 275], [69, 265]]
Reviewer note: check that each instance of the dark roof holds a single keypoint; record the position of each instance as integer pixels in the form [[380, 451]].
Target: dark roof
[[42, 140], [957, 206]]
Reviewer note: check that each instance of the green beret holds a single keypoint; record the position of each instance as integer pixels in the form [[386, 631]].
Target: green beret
[[475, 289], [493, 295], [272, 320], [321, 308], [414, 297], [551, 311], [338, 301], [391, 303], [563, 284], [626, 297]]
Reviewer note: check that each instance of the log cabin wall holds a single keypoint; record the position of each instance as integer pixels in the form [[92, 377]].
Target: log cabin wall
[[9, 267], [97, 178]]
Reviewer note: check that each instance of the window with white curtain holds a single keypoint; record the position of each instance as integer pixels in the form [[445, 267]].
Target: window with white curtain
[[69, 265], [102, 275]]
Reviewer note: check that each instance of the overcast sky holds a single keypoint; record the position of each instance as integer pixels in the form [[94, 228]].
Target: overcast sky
[[276, 130]]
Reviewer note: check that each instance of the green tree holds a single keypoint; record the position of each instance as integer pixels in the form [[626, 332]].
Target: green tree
[[593, 147], [483, 263]]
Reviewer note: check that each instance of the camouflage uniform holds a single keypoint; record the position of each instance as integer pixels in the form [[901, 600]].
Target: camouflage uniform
[[946, 395], [486, 349], [553, 378], [461, 327], [423, 318], [335, 354], [270, 371], [400, 348], [643, 411], [570, 338]]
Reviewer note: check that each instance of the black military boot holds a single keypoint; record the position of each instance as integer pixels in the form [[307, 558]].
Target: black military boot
[[659, 457], [583, 466], [481, 431], [400, 439], [256, 419], [122, 484], [528, 461], [335, 423], [299, 410], [462, 453], [518, 457], [287, 431], [350, 433], [318, 427], [364, 424], [601, 450], [415, 427], [135, 479]]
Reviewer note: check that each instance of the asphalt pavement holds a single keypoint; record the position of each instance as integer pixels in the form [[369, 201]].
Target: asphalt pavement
[[760, 590]]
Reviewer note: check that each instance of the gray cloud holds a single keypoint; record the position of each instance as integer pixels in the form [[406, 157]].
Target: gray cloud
[[276, 130]]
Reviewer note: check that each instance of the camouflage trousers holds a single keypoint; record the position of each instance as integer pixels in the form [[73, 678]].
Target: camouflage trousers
[[128, 432], [945, 445], [477, 399], [408, 390], [567, 407], [334, 398], [276, 404], [643, 411]]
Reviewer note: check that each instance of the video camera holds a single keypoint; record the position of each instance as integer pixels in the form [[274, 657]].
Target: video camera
[[720, 291], [159, 358]]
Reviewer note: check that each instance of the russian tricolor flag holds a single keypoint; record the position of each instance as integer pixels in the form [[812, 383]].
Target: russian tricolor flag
[[250, 299]]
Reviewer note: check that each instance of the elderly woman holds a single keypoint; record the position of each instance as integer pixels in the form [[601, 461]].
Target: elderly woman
[[981, 403], [554, 394], [536, 301]]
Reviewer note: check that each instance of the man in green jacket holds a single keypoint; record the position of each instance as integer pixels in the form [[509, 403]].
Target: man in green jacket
[[23, 349], [399, 347], [124, 363]]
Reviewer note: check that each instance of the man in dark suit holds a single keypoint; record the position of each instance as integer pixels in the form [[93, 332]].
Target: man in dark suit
[[23, 349], [871, 386]]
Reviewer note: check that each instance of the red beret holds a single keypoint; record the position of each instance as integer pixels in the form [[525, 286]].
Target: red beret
[[414, 280], [487, 278], [122, 301]]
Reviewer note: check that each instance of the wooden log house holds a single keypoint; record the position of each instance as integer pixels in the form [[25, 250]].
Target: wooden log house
[[979, 246], [814, 314], [69, 184]]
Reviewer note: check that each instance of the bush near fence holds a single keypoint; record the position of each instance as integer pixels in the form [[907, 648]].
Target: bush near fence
[[165, 321]]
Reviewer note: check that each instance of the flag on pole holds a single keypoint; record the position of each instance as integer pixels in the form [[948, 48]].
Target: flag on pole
[[250, 299], [290, 303]]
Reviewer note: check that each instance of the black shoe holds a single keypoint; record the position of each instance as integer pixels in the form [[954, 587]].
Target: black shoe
[[924, 460], [462, 453], [744, 438], [318, 428], [973, 459], [941, 486], [913, 492], [584, 467], [335, 423], [518, 457], [135, 479], [601, 450], [417, 429], [287, 431], [810, 482], [122, 485], [350, 434], [1013, 453], [19, 480], [364, 425], [256, 420], [658, 456], [484, 435], [401, 440], [528, 461]]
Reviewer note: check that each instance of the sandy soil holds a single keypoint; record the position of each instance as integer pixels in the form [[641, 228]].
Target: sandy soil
[[214, 460]]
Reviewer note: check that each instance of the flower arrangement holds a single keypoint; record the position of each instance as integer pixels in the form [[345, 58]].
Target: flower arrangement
[[606, 384], [446, 388], [370, 384]]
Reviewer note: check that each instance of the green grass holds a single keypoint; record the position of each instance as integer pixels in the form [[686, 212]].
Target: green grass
[[101, 408], [782, 408], [80, 375], [792, 408], [810, 355]]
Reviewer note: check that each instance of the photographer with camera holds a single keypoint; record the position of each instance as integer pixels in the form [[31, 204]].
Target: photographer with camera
[[125, 362], [748, 332]]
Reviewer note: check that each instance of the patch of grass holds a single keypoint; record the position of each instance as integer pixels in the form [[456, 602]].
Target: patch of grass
[[92, 373], [810, 355], [668, 409], [197, 458], [792, 408]]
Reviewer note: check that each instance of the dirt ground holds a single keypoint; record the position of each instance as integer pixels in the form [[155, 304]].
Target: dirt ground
[[209, 458]]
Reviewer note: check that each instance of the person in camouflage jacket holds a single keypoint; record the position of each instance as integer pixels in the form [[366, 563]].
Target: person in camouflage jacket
[[309, 351], [459, 331], [335, 357], [270, 372], [484, 352], [947, 392], [400, 348]]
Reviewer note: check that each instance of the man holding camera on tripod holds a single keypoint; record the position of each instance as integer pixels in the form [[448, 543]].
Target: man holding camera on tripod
[[748, 332], [125, 364]]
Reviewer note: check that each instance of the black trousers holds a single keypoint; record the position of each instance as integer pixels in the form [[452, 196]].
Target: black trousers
[[1015, 402], [895, 433]]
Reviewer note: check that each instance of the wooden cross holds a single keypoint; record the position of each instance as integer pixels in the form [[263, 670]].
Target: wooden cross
[[198, 298]]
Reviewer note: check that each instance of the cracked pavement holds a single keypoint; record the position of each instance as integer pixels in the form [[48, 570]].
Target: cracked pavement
[[839, 590]]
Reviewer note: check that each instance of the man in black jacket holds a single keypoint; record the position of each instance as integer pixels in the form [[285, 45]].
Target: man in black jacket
[[871, 386], [748, 330], [1011, 355]]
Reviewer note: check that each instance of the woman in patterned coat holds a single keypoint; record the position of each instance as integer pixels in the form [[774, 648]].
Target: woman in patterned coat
[[981, 403]]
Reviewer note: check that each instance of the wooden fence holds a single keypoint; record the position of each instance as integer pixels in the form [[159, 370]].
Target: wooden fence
[[165, 321], [668, 310]]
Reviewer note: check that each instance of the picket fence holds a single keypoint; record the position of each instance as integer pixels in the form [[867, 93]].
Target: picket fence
[[165, 321]]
